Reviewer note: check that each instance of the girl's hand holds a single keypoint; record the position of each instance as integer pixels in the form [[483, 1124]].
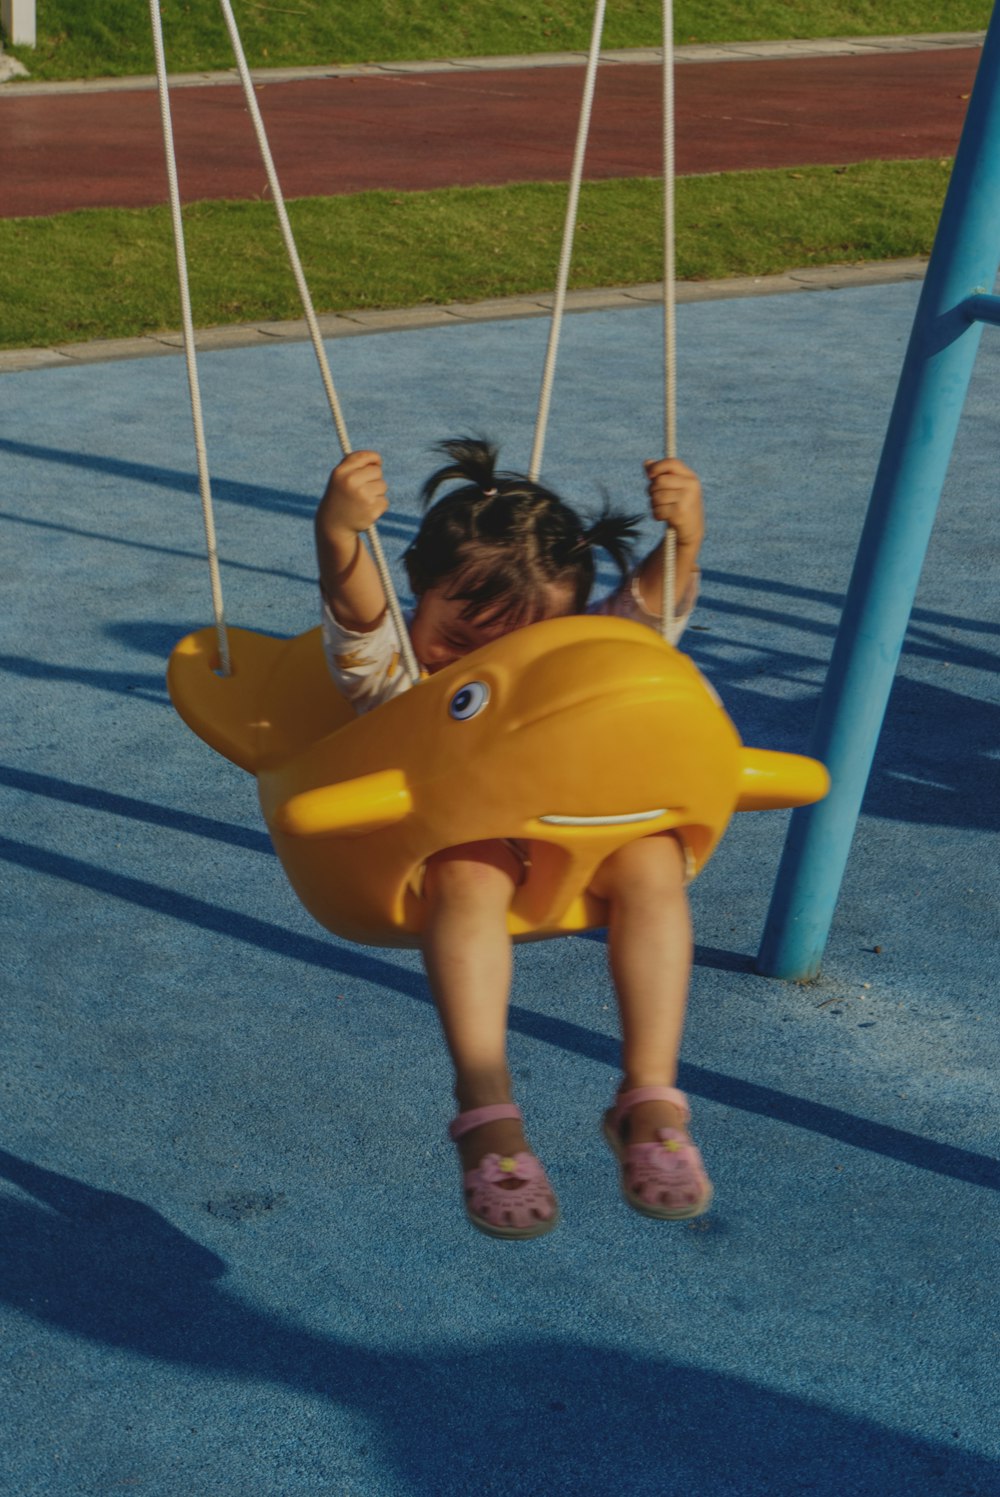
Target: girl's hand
[[356, 496], [675, 498]]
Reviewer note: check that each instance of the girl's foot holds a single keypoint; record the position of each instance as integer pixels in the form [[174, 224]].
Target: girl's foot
[[662, 1174], [641, 1123], [507, 1193], [503, 1136]]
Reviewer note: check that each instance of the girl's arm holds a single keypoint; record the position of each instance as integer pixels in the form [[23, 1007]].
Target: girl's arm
[[355, 498], [674, 497]]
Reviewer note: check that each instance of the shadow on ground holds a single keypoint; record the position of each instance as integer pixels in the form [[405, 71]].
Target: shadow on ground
[[371, 966], [112, 1270]]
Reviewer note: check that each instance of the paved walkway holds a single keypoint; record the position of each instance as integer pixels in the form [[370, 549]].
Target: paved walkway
[[456, 124]]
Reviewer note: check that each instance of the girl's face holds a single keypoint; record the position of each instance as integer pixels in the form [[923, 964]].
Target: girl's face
[[441, 635]]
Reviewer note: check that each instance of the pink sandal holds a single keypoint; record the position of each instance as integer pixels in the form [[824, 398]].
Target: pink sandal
[[529, 1211], [665, 1179]]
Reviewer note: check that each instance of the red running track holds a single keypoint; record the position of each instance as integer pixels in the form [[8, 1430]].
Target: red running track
[[427, 130]]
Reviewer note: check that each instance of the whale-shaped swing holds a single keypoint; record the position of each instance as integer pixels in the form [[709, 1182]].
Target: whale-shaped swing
[[576, 734]]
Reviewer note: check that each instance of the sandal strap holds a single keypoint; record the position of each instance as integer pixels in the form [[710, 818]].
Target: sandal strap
[[625, 1101], [476, 1116]]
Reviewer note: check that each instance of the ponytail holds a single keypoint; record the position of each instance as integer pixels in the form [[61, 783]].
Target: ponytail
[[472, 460], [614, 534]]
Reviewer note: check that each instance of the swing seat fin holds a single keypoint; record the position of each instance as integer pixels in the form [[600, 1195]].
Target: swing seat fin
[[268, 708], [349, 809], [771, 781], [222, 710]]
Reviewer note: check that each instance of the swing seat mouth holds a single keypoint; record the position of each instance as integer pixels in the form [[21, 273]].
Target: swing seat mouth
[[624, 818]]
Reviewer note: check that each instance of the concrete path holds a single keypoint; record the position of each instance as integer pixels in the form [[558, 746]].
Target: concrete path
[[457, 124]]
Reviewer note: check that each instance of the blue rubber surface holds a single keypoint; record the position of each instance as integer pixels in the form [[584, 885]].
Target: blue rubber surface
[[232, 1254]]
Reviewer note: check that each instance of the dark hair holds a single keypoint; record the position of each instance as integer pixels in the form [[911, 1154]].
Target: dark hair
[[501, 538]]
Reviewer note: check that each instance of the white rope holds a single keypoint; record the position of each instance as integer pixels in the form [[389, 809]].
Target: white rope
[[204, 484], [569, 229], [669, 310], [286, 228], [378, 555]]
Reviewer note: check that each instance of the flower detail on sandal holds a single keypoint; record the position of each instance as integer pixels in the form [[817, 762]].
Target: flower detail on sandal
[[664, 1178], [505, 1195], [527, 1210], [496, 1168]]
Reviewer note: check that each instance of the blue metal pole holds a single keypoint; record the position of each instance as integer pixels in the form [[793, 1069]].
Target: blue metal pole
[[901, 512]]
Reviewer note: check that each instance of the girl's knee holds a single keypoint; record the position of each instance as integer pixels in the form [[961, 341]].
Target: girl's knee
[[480, 872], [651, 865]]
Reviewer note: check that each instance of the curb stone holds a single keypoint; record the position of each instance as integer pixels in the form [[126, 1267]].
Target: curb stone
[[362, 322], [774, 51]]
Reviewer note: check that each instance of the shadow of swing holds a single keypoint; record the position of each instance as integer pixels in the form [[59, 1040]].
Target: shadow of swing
[[362, 963], [936, 763], [177, 480], [252, 496], [524, 1414], [180, 552], [148, 813]]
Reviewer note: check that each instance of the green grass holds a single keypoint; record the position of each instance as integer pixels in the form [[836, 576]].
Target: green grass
[[112, 37], [110, 273]]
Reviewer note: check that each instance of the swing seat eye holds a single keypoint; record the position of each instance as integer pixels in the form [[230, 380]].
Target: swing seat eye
[[468, 700]]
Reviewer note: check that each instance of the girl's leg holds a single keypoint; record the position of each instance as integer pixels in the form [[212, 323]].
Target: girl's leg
[[467, 954], [649, 952]]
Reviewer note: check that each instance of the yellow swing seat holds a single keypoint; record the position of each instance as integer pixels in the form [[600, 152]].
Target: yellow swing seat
[[575, 735]]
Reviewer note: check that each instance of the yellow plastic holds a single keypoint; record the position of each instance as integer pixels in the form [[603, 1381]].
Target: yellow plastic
[[589, 733]]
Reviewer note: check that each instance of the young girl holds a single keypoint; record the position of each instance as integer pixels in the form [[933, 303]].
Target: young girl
[[493, 555]]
